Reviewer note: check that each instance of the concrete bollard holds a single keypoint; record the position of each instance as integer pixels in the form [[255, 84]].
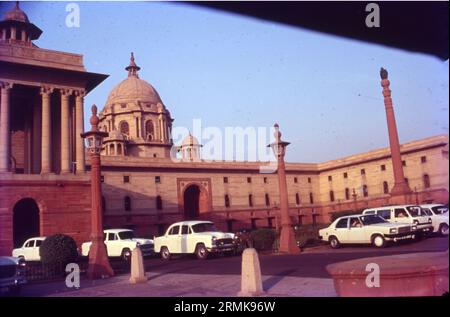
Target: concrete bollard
[[137, 267], [251, 281]]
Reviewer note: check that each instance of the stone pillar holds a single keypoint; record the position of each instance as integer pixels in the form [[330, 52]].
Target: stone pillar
[[400, 186], [65, 133], [46, 153], [23, 36], [79, 128], [13, 33], [5, 136]]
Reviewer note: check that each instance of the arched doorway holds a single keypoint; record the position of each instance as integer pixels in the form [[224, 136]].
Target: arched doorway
[[191, 202], [25, 221]]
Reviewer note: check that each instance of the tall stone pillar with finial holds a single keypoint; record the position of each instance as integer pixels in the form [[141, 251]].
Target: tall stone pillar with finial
[[400, 192], [288, 243], [99, 266]]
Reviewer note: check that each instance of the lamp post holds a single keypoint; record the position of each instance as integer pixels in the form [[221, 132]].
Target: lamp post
[[288, 243], [99, 266]]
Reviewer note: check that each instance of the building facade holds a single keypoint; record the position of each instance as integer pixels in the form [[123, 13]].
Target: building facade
[[44, 187]]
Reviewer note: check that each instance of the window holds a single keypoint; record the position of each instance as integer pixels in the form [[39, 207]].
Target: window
[[311, 198], [355, 222], [297, 198], [126, 179], [225, 180], [227, 201], [400, 213], [342, 223], [295, 180], [365, 191], [345, 175], [111, 237], [426, 181], [406, 180], [102, 179], [174, 230], [267, 200], [185, 229], [249, 180], [265, 180], [149, 130], [385, 213], [363, 171], [155, 155], [404, 163], [383, 167], [159, 203], [331, 195], [423, 159], [369, 212], [157, 179], [270, 222], [103, 206], [29, 244], [330, 178], [123, 105], [309, 180], [385, 187], [124, 128], [38, 243], [347, 193], [250, 200], [127, 203]]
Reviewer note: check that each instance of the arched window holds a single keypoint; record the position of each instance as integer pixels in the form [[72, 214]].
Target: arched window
[[227, 201], [426, 181], [124, 128], [159, 203], [127, 203], [365, 191], [149, 130], [111, 149], [297, 198], [250, 200], [311, 198], [385, 187], [267, 200], [331, 195], [347, 193], [119, 149]]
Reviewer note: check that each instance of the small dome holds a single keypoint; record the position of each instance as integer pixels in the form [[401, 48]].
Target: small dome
[[190, 140], [115, 135], [16, 14]]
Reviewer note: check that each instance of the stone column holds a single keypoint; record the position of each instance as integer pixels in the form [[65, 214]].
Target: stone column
[[46, 153], [5, 137], [400, 186], [65, 133], [79, 128]]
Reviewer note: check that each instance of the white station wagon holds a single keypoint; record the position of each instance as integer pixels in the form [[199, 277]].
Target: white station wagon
[[120, 243], [439, 217], [365, 229], [29, 250], [194, 237], [410, 214]]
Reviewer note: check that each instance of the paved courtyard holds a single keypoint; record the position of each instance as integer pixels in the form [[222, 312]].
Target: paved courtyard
[[283, 275]]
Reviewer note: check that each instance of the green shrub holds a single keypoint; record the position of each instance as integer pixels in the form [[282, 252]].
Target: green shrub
[[58, 250], [263, 239], [307, 235]]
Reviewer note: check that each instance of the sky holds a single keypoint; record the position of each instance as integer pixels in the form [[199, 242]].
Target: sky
[[235, 71]]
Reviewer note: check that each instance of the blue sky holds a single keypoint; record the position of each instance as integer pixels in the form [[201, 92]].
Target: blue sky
[[231, 70]]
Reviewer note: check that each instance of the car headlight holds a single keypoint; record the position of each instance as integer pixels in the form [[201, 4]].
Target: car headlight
[[393, 230], [414, 228], [213, 240], [416, 222], [429, 220]]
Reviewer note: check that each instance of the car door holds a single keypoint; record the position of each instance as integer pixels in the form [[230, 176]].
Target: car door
[[174, 240], [37, 245], [184, 239], [356, 231], [27, 250], [341, 230], [401, 216]]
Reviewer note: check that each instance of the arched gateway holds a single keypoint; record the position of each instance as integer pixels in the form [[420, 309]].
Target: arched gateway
[[26, 221], [194, 201]]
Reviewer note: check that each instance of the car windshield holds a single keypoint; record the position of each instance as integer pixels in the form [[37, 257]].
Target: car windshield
[[415, 211], [440, 210], [204, 227], [126, 235], [372, 219], [427, 211]]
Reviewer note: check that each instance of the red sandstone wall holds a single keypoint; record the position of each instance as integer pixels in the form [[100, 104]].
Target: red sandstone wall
[[64, 207]]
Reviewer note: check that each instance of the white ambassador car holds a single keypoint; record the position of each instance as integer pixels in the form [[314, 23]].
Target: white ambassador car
[[120, 243], [365, 229], [29, 250], [439, 217], [194, 237]]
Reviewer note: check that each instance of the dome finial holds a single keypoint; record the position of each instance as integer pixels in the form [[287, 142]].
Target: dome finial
[[132, 68]]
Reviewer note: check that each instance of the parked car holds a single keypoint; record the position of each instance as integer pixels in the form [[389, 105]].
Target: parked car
[[30, 249], [120, 243], [410, 214], [194, 237], [439, 217], [12, 274], [365, 229]]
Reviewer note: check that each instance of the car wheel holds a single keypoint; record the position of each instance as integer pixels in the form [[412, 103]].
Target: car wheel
[[443, 229], [126, 255], [201, 252], [378, 241], [165, 254], [334, 242]]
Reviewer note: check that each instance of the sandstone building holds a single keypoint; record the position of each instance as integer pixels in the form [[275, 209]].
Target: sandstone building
[[44, 187]]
